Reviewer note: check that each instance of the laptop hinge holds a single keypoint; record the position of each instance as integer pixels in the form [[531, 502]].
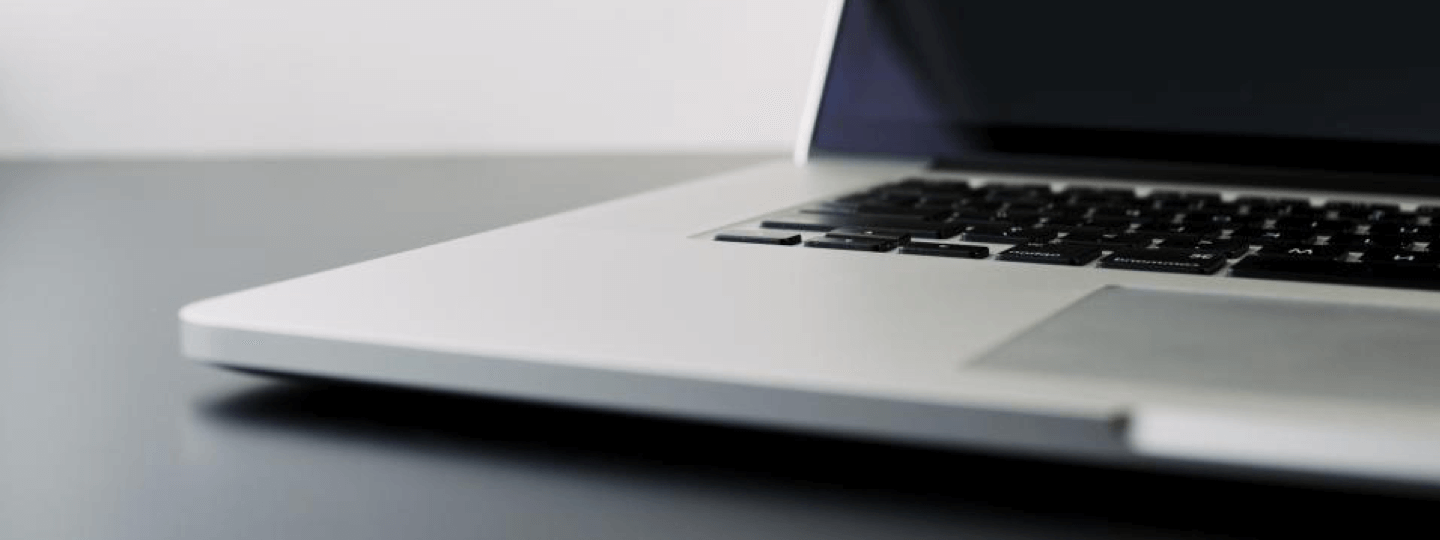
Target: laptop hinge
[[1166, 172]]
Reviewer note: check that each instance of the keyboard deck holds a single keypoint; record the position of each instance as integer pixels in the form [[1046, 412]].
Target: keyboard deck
[[1191, 232]]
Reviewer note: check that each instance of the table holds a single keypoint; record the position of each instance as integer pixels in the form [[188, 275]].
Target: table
[[106, 432]]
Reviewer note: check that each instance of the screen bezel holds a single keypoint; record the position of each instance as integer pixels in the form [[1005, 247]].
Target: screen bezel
[[1400, 177]]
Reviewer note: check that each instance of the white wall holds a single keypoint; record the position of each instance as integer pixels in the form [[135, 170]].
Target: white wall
[[159, 77]]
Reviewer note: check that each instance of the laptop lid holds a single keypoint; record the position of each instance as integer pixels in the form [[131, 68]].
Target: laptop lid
[[1298, 94]]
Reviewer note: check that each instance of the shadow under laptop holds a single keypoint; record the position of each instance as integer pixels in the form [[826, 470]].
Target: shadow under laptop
[[953, 490]]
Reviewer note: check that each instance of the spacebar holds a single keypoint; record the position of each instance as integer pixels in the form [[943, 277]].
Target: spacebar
[[826, 222]]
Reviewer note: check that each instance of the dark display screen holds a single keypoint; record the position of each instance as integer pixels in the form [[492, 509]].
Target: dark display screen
[[1334, 86]]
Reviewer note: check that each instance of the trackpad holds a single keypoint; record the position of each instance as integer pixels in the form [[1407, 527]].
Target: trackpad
[[1315, 349]]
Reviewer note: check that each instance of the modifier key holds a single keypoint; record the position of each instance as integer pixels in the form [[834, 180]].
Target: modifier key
[[759, 237], [1378, 256], [945, 250], [826, 223], [1230, 248], [1105, 240], [1261, 237], [1070, 255], [863, 233], [1166, 260], [1008, 235], [852, 244]]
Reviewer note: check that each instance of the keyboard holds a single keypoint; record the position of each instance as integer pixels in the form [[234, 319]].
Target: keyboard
[[1190, 232]]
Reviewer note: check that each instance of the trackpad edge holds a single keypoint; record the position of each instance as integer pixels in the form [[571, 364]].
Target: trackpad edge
[[1234, 342]]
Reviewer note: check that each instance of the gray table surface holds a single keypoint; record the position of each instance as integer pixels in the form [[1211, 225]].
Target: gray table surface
[[106, 432]]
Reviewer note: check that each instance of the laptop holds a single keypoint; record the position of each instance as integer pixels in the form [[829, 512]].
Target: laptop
[[1200, 238]]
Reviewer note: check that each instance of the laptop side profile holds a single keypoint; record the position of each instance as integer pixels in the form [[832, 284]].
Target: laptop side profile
[[1195, 238]]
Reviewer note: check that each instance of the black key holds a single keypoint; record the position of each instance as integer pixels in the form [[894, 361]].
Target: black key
[[1010, 196], [983, 206], [896, 212], [853, 199], [1232, 221], [903, 211], [1105, 240], [992, 224], [1398, 256], [1020, 210], [945, 250], [1397, 242], [1025, 221], [1342, 273], [1121, 193], [1166, 195], [1007, 235], [1354, 205], [1203, 230], [826, 223], [1352, 242], [1344, 205], [759, 237], [1385, 214], [898, 198], [947, 209], [1295, 223], [1293, 269], [1361, 214], [1051, 254], [1165, 260], [1410, 218], [1065, 212], [1380, 216], [942, 200], [1220, 208], [1409, 276], [1173, 205], [854, 244], [1067, 224], [1162, 232], [1038, 200], [1229, 248], [841, 206], [1124, 211], [1418, 232], [862, 233], [1302, 251], [1300, 211], [1093, 230], [973, 217], [1124, 197], [1332, 226], [1118, 222], [1015, 190], [1358, 242], [897, 191], [935, 185], [1209, 216], [1384, 229], [1272, 204], [1270, 236]]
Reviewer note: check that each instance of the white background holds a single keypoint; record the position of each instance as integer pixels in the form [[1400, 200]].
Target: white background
[[245, 77]]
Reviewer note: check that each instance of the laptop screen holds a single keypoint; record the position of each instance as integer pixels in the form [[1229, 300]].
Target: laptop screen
[[1335, 86]]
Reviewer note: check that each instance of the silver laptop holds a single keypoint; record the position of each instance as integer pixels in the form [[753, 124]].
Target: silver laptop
[[1199, 238]]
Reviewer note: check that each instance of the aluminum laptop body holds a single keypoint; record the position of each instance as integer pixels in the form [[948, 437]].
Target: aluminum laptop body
[[1133, 356]]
